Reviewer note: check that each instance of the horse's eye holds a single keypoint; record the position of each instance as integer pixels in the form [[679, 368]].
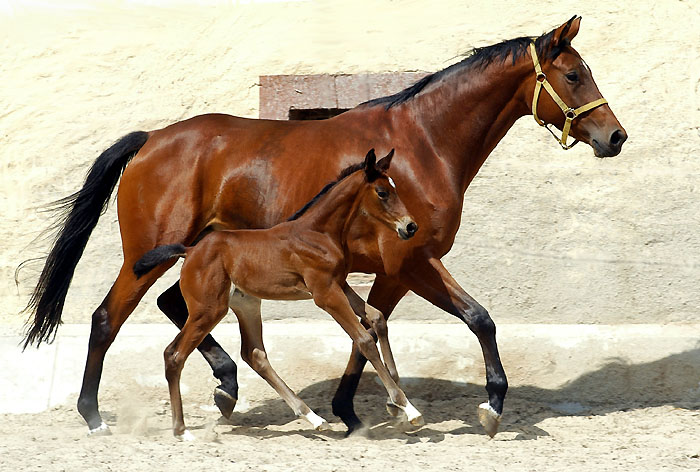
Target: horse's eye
[[572, 76], [382, 194]]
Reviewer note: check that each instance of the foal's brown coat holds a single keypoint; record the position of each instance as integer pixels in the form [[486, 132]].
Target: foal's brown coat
[[299, 259]]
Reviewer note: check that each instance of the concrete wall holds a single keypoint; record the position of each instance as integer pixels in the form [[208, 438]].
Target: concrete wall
[[547, 236]]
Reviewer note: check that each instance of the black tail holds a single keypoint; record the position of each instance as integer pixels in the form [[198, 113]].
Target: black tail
[[157, 256], [78, 215]]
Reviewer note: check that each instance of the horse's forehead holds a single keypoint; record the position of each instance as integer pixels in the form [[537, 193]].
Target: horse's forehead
[[391, 181]]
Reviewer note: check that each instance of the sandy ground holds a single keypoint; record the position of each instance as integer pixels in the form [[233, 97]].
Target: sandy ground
[[535, 435], [542, 229]]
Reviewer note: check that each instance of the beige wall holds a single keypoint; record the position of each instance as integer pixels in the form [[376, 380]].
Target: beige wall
[[546, 235]]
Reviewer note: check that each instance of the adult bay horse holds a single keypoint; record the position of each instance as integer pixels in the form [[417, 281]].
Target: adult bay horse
[[222, 172], [304, 257]]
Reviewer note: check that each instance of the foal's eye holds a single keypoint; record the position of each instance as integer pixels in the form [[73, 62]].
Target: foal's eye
[[382, 194], [572, 76]]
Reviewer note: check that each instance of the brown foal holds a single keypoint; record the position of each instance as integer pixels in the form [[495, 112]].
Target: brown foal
[[304, 257]]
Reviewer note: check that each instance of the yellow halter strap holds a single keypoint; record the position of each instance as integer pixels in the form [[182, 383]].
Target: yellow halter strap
[[569, 113]]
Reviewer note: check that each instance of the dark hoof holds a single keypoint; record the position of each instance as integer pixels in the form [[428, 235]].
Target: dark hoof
[[358, 429], [224, 402]]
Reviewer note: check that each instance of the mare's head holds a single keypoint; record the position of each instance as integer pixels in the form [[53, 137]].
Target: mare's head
[[379, 200], [580, 109]]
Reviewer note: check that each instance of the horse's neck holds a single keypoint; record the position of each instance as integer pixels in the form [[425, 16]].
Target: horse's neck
[[466, 115]]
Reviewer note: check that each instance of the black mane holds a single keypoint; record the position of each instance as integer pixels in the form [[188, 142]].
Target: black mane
[[478, 59], [343, 173]]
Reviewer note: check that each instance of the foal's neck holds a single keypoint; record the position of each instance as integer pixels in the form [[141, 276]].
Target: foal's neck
[[333, 213]]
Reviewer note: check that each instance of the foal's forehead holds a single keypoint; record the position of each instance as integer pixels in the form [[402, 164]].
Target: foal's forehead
[[389, 179]]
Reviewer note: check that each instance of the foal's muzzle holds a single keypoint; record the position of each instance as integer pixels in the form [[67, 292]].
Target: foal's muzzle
[[406, 231]]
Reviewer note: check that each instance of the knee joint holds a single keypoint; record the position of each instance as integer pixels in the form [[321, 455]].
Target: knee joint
[[479, 321], [257, 359]]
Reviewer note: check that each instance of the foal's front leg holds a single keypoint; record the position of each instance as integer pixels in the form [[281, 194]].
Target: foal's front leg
[[378, 322], [334, 300]]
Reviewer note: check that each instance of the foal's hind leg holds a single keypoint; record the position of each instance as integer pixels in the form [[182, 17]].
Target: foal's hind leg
[[106, 322], [173, 305], [247, 309]]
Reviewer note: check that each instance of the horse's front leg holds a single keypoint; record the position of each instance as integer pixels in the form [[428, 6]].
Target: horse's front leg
[[173, 305], [431, 280]]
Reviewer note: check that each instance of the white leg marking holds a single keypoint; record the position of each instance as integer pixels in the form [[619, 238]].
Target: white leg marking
[[316, 421], [101, 429], [186, 436]]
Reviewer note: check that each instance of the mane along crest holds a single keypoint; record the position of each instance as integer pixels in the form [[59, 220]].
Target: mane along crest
[[477, 59], [343, 173]]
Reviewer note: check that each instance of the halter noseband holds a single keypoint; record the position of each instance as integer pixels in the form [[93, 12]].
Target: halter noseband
[[569, 113]]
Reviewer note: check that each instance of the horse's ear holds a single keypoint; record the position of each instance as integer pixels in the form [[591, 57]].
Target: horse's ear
[[385, 162], [566, 32]]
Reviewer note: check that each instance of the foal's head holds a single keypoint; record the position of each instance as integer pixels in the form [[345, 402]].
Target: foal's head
[[379, 199]]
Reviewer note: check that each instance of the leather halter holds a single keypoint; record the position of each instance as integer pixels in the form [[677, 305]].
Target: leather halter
[[569, 113]]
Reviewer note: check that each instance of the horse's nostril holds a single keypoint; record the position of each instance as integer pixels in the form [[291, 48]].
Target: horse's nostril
[[617, 138], [411, 228]]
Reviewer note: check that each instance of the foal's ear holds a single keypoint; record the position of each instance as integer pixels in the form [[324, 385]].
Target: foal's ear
[[370, 160], [566, 32], [385, 162]]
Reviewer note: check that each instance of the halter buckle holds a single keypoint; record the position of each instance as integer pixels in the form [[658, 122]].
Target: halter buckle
[[541, 77], [570, 113]]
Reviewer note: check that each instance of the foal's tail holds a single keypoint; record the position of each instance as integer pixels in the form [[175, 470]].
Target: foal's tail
[[157, 256], [77, 217]]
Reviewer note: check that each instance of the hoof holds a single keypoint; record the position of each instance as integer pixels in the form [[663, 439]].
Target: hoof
[[360, 430], [224, 402], [101, 430], [418, 421], [392, 409], [489, 419], [324, 426], [186, 436], [316, 421]]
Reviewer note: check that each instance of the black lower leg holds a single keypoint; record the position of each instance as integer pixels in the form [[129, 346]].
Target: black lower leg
[[483, 326], [224, 368], [100, 338], [343, 400]]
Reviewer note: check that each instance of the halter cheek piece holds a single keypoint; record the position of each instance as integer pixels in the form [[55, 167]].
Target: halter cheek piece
[[569, 113]]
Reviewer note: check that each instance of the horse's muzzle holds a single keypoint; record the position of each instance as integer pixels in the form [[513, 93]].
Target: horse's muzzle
[[612, 147]]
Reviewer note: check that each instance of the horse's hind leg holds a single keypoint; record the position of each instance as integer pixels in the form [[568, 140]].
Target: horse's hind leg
[[247, 310], [173, 305], [121, 300]]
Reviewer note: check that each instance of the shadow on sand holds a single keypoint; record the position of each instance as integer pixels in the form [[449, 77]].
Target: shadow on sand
[[617, 386]]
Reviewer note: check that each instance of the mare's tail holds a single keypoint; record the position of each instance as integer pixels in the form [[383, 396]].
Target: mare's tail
[[157, 256], [78, 215]]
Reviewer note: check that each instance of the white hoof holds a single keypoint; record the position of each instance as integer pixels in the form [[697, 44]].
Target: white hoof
[[317, 422], [101, 430], [413, 416], [186, 436], [489, 419]]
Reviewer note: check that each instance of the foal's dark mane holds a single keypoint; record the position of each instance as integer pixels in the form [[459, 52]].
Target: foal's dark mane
[[477, 59], [343, 173]]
